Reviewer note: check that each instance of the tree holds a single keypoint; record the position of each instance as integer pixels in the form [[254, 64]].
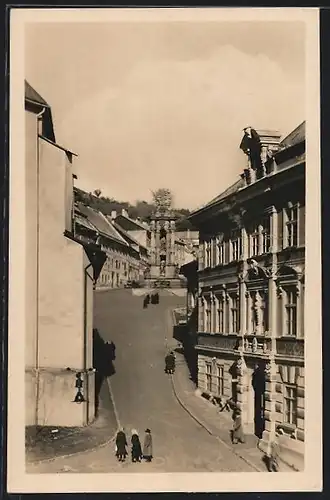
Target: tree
[[97, 192]]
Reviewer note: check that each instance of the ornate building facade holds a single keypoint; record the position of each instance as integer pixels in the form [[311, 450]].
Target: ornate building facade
[[251, 289]]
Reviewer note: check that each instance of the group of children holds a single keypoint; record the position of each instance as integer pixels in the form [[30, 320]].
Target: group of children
[[137, 452]]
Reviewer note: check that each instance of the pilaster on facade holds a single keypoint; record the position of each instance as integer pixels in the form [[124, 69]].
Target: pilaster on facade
[[270, 402]]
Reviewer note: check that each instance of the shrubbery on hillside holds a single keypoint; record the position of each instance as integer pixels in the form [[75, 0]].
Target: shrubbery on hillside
[[142, 209]]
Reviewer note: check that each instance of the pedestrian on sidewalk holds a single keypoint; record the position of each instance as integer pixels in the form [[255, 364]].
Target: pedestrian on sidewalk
[[273, 454], [136, 446], [121, 443], [147, 446], [238, 434]]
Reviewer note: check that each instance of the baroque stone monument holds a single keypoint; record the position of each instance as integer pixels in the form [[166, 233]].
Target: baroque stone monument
[[162, 225]]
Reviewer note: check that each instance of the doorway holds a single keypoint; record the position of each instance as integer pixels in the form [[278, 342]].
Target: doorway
[[259, 386]]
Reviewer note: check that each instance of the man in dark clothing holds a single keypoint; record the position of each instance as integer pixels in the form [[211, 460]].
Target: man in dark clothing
[[121, 444], [136, 447], [170, 363]]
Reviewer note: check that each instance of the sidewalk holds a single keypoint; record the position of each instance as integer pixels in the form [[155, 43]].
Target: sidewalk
[[44, 445], [216, 423]]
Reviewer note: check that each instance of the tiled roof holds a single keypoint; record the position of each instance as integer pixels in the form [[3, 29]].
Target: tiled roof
[[129, 224], [83, 221], [33, 95], [102, 224], [126, 235]]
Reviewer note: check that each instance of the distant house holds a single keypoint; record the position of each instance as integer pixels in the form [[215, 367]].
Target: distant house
[[138, 229], [60, 274], [123, 257]]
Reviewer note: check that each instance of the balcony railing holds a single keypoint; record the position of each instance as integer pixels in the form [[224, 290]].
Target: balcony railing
[[290, 347], [252, 344], [218, 341]]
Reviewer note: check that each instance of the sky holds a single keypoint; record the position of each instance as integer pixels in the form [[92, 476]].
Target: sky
[[150, 105]]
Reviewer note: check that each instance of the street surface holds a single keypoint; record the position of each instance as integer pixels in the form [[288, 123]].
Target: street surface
[[144, 397]]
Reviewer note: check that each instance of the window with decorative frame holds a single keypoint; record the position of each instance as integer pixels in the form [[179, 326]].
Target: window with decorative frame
[[290, 308], [221, 315], [234, 312], [207, 254], [254, 241], [208, 368], [207, 316], [264, 311], [265, 234], [235, 244], [291, 226], [221, 251], [220, 380], [290, 404]]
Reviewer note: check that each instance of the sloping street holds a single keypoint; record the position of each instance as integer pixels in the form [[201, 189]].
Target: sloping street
[[143, 394]]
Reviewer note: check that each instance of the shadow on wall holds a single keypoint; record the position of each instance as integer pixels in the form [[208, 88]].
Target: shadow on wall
[[104, 354], [186, 334]]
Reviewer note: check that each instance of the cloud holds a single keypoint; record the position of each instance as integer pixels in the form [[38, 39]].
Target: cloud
[[179, 123]]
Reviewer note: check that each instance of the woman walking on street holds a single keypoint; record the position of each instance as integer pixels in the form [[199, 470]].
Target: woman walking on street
[[147, 446], [121, 444], [136, 446]]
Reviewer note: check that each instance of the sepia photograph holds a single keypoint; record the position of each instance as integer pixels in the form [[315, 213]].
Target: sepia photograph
[[164, 299]]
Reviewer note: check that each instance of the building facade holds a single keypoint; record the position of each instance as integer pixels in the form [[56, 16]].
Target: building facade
[[251, 287], [60, 274], [123, 259]]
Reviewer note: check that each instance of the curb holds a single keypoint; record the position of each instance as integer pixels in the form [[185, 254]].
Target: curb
[[210, 432], [94, 448], [292, 466]]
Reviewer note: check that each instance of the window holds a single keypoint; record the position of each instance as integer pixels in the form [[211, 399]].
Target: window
[[235, 245], [291, 215], [220, 251], [265, 235], [220, 380], [291, 312], [207, 317], [221, 316], [234, 314], [208, 254], [254, 241], [254, 316], [208, 377], [290, 404], [263, 312]]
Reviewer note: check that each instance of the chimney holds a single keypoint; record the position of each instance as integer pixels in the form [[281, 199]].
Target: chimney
[[113, 214], [124, 212]]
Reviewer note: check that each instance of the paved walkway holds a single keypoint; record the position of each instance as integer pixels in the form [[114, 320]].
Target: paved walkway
[[66, 442], [217, 424]]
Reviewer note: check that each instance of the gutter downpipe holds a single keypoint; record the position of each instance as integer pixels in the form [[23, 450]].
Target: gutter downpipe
[[86, 274], [39, 117]]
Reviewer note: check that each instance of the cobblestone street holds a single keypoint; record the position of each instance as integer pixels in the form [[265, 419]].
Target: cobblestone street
[[144, 397]]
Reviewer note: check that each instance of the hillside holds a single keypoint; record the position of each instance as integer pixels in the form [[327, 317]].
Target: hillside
[[141, 209]]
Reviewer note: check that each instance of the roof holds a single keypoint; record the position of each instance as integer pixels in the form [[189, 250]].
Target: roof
[[32, 95], [230, 190], [83, 221], [129, 224], [296, 136], [102, 224], [126, 235]]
